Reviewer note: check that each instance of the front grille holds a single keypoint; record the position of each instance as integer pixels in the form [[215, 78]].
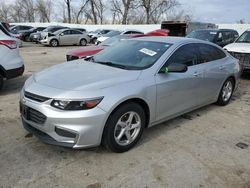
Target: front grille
[[35, 97], [71, 57], [244, 58], [32, 114], [36, 116]]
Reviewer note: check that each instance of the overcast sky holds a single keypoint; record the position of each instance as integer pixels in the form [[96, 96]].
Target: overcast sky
[[218, 11]]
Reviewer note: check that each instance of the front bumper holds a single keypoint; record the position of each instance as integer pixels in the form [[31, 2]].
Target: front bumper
[[244, 60], [76, 129], [44, 41]]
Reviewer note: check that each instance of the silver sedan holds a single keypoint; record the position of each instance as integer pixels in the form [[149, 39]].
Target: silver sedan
[[112, 97], [66, 37]]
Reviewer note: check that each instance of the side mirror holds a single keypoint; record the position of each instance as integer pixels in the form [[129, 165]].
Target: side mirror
[[61, 34], [174, 67]]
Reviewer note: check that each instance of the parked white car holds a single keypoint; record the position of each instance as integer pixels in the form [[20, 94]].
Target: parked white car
[[115, 33], [66, 37], [11, 63], [240, 49]]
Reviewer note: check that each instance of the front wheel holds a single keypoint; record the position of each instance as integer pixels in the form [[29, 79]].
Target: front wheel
[[226, 92], [83, 42], [124, 127], [54, 43]]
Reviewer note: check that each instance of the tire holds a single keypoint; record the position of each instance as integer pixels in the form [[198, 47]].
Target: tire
[[54, 43], [116, 135], [83, 42], [27, 38], [226, 92], [1, 82], [94, 40]]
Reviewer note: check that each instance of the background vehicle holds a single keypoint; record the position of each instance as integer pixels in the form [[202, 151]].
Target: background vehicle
[[120, 91], [180, 28], [16, 29], [25, 35], [240, 49], [220, 37], [91, 50], [97, 33], [80, 29], [66, 37], [11, 64], [114, 33], [5, 29], [36, 37]]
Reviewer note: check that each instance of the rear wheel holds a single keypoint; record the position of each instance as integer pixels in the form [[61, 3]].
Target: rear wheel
[[1, 82], [124, 127], [226, 92], [83, 42], [54, 43]]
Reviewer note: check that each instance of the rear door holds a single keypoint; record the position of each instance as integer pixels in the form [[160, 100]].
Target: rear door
[[214, 62], [179, 92], [75, 36]]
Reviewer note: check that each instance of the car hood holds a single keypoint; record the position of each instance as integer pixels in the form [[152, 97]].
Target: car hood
[[82, 75], [238, 47], [101, 39], [86, 51]]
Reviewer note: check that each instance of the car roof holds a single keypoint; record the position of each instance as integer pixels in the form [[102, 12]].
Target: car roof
[[170, 40], [215, 30]]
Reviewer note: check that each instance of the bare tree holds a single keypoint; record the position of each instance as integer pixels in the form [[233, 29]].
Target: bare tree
[[154, 9], [4, 11], [44, 9], [121, 8], [68, 4]]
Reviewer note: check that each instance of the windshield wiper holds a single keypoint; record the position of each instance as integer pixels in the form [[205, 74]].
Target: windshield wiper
[[112, 64]]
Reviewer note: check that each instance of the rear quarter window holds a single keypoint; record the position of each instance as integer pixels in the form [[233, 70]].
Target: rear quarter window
[[210, 53]]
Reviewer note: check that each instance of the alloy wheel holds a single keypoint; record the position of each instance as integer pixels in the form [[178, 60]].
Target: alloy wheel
[[127, 128], [227, 91]]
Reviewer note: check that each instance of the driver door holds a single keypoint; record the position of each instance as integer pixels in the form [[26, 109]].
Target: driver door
[[65, 38], [179, 92]]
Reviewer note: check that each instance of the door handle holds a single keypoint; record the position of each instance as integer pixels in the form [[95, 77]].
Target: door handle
[[222, 67], [196, 74]]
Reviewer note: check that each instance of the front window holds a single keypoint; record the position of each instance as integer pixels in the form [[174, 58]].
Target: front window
[[245, 37], [203, 35], [132, 54]]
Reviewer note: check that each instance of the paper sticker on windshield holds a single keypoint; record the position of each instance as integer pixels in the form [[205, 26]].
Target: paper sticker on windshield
[[213, 33], [148, 52]]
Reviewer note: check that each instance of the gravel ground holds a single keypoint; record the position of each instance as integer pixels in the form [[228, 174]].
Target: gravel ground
[[200, 149]]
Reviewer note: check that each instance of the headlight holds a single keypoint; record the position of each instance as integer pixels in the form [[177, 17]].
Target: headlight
[[76, 105]]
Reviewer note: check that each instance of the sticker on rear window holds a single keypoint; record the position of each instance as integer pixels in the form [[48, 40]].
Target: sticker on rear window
[[148, 51], [213, 33]]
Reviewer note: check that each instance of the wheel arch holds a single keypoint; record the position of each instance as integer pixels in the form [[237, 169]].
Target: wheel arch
[[2, 71]]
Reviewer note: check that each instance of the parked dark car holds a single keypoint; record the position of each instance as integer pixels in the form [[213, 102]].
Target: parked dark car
[[221, 37], [80, 29], [36, 37], [25, 35], [16, 29]]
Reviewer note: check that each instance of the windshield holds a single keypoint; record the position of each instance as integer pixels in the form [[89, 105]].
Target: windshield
[[203, 35], [112, 33], [113, 40], [245, 37], [57, 32], [132, 54]]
